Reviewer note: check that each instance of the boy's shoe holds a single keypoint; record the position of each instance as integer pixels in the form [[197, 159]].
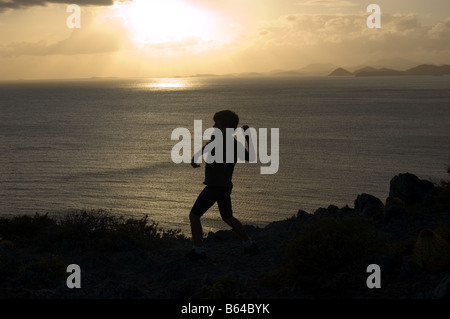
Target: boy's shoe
[[252, 250], [192, 255]]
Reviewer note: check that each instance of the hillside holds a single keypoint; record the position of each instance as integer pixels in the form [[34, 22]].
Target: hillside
[[318, 255]]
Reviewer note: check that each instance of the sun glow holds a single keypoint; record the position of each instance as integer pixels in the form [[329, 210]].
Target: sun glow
[[156, 21], [166, 83]]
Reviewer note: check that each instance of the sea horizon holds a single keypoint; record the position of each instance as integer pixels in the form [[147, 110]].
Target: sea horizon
[[82, 144]]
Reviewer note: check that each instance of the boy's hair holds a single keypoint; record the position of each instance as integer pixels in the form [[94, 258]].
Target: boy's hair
[[227, 118]]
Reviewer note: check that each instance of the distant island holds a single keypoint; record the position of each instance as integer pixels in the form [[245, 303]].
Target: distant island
[[341, 72], [423, 69], [326, 69], [389, 67]]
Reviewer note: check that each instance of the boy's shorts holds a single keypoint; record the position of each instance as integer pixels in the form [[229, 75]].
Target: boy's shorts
[[211, 194]]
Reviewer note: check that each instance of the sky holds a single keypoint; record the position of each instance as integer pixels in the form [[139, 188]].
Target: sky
[[161, 38]]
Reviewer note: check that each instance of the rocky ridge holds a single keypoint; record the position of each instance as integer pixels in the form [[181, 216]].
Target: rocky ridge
[[135, 272]]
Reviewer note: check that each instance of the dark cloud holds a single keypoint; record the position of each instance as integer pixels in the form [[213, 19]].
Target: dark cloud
[[22, 4]]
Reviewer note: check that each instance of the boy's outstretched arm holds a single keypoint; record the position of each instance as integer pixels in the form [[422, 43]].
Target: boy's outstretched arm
[[194, 163], [247, 155]]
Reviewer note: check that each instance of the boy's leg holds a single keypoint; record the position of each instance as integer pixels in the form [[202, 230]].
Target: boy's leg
[[204, 201], [196, 230], [226, 212], [237, 227]]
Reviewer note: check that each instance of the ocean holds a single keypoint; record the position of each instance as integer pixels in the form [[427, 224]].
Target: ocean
[[106, 143]]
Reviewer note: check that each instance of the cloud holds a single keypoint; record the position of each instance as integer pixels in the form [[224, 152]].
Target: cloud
[[23, 4], [180, 45], [77, 43], [327, 3], [89, 39], [340, 38], [332, 27], [441, 30]]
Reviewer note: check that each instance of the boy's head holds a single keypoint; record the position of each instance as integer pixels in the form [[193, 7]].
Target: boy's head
[[227, 119]]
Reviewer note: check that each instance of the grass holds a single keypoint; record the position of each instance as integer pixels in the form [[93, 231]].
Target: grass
[[96, 229]]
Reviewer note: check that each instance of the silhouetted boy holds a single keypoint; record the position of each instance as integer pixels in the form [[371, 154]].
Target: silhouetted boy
[[218, 176]]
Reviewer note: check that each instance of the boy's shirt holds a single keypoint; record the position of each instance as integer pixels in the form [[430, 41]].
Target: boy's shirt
[[221, 174]]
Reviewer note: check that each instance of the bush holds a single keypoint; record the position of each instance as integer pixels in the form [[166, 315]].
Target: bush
[[228, 288], [112, 231], [431, 251], [98, 229], [333, 254], [46, 271], [25, 226]]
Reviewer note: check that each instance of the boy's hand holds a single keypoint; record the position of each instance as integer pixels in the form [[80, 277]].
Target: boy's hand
[[245, 128], [194, 164]]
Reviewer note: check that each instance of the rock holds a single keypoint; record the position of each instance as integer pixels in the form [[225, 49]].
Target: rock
[[331, 210], [394, 208], [394, 212], [346, 211], [334, 211], [442, 291], [220, 235], [369, 205], [409, 188], [393, 201], [301, 214]]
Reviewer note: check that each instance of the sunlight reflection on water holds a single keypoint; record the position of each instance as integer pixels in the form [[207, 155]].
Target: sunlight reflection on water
[[167, 83], [107, 143]]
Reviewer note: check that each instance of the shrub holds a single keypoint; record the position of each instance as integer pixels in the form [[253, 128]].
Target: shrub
[[84, 229], [229, 288], [44, 272], [333, 254], [431, 251], [25, 226], [99, 226]]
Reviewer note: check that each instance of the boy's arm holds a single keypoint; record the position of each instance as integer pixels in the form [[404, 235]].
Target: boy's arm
[[194, 163], [247, 155]]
